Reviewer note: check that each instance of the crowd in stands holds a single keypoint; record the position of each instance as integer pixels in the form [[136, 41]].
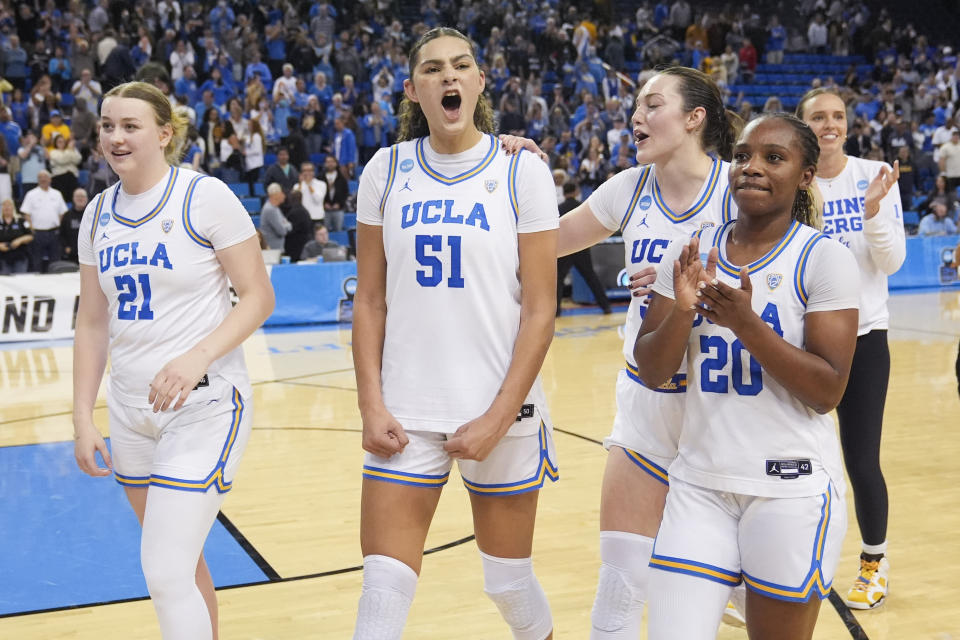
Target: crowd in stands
[[300, 94]]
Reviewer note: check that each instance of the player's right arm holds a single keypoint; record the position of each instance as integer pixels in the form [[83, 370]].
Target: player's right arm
[[89, 361], [579, 230], [382, 435]]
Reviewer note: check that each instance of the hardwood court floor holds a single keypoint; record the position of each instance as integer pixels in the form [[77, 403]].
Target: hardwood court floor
[[296, 498]]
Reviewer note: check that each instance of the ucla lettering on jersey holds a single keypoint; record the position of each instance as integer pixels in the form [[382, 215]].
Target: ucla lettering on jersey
[[164, 285], [450, 235], [649, 225]]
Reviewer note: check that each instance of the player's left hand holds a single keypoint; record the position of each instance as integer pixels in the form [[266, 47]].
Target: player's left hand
[[514, 144], [474, 440], [641, 281], [724, 305], [176, 380], [878, 188]]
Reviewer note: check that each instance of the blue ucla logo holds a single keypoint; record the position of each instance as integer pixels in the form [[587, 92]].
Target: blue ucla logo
[[645, 202], [862, 184], [104, 218], [406, 165]]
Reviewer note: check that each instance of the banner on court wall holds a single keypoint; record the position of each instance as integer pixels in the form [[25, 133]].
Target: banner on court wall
[[44, 306], [38, 307]]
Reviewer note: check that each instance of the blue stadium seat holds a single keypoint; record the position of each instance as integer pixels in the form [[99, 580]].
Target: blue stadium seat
[[259, 190], [269, 159], [352, 186], [911, 221], [255, 218], [252, 205], [241, 189], [83, 177], [340, 237], [349, 221], [317, 160]]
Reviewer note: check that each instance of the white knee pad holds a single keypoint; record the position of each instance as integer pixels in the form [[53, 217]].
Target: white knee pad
[[510, 583], [622, 585], [388, 589]]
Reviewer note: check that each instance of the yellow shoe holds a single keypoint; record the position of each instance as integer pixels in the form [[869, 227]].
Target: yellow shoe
[[870, 588]]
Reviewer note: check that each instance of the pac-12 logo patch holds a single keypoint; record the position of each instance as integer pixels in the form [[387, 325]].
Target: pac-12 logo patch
[[774, 280], [704, 225], [104, 219], [862, 184], [406, 165], [490, 185], [166, 225], [645, 203]]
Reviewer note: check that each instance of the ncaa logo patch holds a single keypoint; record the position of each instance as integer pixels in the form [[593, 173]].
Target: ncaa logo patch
[[645, 202], [623, 278], [862, 184], [774, 280], [166, 225], [104, 218], [490, 185], [406, 165]]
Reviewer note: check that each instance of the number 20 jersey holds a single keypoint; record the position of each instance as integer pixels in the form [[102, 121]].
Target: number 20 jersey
[[740, 423], [165, 288], [450, 225]]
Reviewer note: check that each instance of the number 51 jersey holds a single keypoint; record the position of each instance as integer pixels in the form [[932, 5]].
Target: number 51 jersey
[[450, 225], [165, 288]]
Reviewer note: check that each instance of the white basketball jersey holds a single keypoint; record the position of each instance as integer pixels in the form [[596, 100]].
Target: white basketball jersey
[[648, 226], [743, 432], [450, 225], [878, 244], [166, 290]]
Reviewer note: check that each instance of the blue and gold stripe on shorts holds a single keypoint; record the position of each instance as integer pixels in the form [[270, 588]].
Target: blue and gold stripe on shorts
[[646, 464], [696, 569], [546, 469], [401, 477], [814, 581], [214, 478], [676, 384]]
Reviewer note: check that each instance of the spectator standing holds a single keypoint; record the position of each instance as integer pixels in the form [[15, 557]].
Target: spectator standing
[[314, 191], [344, 146], [6, 172], [83, 127], [817, 34], [70, 224], [33, 160], [15, 68], [14, 237], [950, 160], [282, 172], [65, 166], [273, 224], [59, 70], [43, 207], [579, 259], [87, 90], [253, 146], [335, 201], [748, 60], [301, 227], [776, 41]]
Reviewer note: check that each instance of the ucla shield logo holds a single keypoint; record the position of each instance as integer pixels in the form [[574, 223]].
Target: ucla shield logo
[[774, 280], [166, 225], [490, 185]]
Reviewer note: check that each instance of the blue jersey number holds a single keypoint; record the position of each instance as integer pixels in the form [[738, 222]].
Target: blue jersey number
[[431, 276], [128, 288], [719, 353]]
